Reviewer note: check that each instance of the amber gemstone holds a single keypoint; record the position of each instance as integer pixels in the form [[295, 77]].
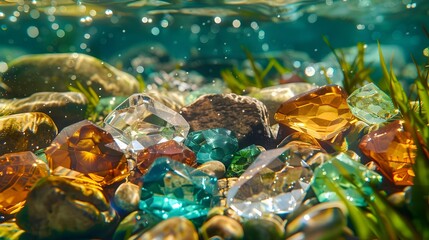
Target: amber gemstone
[[18, 173], [86, 148], [393, 150], [170, 149], [322, 112]]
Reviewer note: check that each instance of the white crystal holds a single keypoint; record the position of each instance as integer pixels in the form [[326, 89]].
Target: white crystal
[[274, 183], [140, 122]]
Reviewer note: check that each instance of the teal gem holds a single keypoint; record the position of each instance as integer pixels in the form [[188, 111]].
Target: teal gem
[[371, 105], [173, 189], [334, 169], [242, 160], [213, 144]]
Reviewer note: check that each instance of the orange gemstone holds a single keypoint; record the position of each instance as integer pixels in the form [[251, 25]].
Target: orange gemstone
[[322, 112], [18, 173], [170, 149], [86, 148], [393, 150]]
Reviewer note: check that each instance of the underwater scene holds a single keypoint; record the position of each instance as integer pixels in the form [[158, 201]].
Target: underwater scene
[[233, 119]]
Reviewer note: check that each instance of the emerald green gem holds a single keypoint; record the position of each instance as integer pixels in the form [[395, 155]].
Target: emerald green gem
[[213, 144], [334, 169], [371, 105], [173, 189], [242, 160]]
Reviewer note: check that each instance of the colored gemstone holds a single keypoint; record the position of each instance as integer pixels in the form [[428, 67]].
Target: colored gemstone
[[213, 144], [242, 160], [322, 112], [393, 150], [274, 183], [170, 149], [334, 169], [140, 122], [18, 173], [371, 105], [172, 189], [86, 148]]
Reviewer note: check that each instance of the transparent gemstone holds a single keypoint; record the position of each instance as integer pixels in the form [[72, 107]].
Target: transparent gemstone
[[213, 144], [18, 173], [371, 105], [333, 170], [172, 189], [322, 112], [242, 160], [170, 149], [86, 148], [274, 183], [140, 122], [393, 150]]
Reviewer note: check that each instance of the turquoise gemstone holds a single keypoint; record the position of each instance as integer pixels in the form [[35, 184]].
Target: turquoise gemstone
[[371, 105], [242, 160], [331, 170], [213, 144], [173, 189]]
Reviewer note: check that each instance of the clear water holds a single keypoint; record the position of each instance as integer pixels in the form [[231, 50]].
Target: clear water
[[210, 34]]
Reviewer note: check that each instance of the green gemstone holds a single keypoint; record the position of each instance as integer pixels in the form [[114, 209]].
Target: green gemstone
[[242, 160], [213, 144], [173, 189], [371, 105], [334, 169]]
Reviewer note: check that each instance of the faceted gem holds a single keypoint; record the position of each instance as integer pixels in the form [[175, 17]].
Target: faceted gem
[[334, 169], [371, 105], [242, 160], [213, 144], [312, 155], [170, 149], [86, 148], [171, 189], [270, 185], [18, 173], [393, 150], [321, 112], [140, 122]]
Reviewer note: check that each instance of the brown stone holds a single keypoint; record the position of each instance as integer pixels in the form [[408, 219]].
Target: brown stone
[[26, 132], [245, 116]]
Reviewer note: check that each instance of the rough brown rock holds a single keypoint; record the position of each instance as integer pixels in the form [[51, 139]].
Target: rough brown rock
[[245, 116]]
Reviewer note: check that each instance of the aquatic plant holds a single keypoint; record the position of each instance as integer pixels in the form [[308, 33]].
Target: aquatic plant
[[93, 100], [238, 81]]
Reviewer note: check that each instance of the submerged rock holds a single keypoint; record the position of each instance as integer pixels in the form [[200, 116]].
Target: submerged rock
[[58, 209], [26, 132], [173, 228], [64, 108], [57, 72], [245, 116], [222, 227]]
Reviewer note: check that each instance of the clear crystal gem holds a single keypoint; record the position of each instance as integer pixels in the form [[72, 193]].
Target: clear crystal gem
[[274, 183], [140, 122]]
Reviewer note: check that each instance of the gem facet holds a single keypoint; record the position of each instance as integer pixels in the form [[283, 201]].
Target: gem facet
[[270, 185], [322, 112], [172, 189], [213, 144], [86, 148], [140, 122], [18, 173], [242, 160], [170, 149], [393, 150], [371, 105], [332, 169]]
